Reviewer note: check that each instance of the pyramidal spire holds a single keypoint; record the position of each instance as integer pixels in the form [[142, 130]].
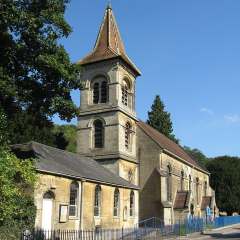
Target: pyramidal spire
[[109, 43]]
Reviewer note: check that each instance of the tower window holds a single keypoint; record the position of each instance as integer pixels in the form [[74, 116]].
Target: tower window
[[100, 90], [104, 92], [125, 89], [116, 203], [96, 93], [127, 135], [98, 134], [132, 204], [97, 201], [73, 199]]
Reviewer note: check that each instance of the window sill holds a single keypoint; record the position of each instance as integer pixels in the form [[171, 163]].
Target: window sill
[[73, 217]]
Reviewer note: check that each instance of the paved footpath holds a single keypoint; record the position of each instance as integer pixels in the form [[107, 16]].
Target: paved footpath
[[230, 233]]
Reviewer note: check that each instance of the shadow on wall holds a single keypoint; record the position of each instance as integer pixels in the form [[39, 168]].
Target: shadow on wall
[[151, 194]]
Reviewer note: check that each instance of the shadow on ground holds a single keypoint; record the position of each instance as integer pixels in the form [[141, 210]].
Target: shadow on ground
[[224, 236]]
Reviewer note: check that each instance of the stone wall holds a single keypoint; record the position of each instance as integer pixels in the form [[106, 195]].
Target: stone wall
[[149, 180], [153, 188], [60, 187]]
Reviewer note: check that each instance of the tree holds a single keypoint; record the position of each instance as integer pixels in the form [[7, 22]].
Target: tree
[[160, 119], [36, 75], [17, 178], [66, 137], [197, 155], [225, 180]]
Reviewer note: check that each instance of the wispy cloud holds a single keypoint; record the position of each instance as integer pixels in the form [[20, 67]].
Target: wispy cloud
[[207, 110], [235, 118]]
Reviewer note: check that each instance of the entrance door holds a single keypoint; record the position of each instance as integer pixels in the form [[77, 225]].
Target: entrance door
[[47, 212]]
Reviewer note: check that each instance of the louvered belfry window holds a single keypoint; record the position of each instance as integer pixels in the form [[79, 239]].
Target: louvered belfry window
[[125, 93], [100, 90], [96, 93], [127, 135], [98, 134], [104, 92]]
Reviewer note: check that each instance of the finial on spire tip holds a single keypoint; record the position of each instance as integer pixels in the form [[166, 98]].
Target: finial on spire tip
[[109, 6]]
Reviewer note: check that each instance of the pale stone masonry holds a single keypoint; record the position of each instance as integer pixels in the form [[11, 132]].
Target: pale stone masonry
[[124, 170]]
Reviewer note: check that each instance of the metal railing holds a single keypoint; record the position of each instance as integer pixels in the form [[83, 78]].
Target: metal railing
[[225, 221], [149, 229]]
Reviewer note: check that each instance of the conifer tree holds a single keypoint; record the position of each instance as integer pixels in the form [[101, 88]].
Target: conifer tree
[[160, 119]]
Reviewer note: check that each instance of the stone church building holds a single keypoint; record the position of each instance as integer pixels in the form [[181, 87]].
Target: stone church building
[[124, 171]]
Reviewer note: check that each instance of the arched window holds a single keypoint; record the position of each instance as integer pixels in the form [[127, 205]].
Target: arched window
[[73, 202], [100, 90], [182, 181], [48, 195], [169, 183], [116, 203], [125, 90], [96, 96], [98, 134], [197, 190], [128, 136], [97, 201], [205, 188], [190, 183], [132, 204], [104, 92]]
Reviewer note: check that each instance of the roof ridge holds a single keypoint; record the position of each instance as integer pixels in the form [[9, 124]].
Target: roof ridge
[[170, 141]]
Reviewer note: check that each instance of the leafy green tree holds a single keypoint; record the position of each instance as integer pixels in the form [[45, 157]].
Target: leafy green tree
[[197, 155], [225, 180], [17, 178], [36, 75], [66, 137], [160, 119]]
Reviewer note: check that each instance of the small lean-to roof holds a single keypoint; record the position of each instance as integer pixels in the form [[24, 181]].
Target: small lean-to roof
[[59, 162], [206, 202], [169, 145], [182, 200], [109, 44]]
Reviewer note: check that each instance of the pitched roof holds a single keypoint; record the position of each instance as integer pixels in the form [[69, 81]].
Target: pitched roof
[[206, 202], [59, 162], [182, 200], [168, 145], [109, 43]]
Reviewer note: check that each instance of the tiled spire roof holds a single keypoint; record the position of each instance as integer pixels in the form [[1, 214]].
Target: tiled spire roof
[[109, 43]]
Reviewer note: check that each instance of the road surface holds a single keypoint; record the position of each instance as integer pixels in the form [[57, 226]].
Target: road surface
[[231, 233]]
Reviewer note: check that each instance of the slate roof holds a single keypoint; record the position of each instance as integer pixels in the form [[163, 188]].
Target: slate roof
[[182, 200], [109, 44], [206, 201], [169, 145], [59, 162]]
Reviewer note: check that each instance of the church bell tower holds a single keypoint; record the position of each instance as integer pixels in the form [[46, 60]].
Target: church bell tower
[[107, 118]]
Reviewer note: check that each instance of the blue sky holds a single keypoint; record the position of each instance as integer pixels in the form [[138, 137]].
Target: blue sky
[[189, 54]]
